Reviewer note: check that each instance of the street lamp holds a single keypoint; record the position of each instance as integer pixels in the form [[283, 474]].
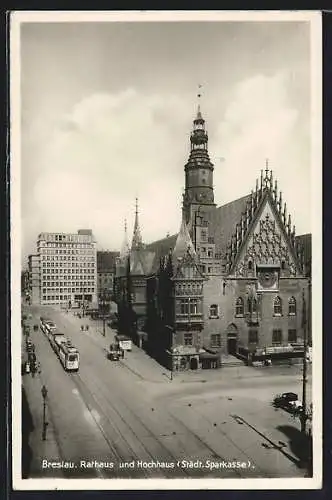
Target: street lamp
[[304, 373], [45, 424], [103, 303], [83, 296]]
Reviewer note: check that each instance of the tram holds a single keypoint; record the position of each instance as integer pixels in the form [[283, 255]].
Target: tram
[[61, 345]]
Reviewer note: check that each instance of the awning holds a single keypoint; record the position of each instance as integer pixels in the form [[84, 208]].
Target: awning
[[209, 355]]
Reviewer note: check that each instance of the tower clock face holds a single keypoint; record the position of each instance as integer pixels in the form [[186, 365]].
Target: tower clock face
[[267, 279]]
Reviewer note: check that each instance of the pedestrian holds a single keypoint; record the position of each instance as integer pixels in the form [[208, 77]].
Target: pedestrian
[[82, 328]]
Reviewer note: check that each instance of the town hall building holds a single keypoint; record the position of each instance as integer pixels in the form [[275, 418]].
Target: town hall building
[[235, 281]]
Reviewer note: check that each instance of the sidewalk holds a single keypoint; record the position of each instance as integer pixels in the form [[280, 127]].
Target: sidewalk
[[32, 421], [149, 370]]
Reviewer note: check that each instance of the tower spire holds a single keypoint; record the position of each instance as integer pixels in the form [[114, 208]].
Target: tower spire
[[199, 95], [125, 245], [136, 243], [199, 168]]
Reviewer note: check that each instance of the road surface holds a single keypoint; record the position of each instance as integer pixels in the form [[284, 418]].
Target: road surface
[[108, 422]]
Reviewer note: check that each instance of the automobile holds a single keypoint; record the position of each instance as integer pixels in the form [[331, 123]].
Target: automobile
[[288, 401], [115, 352]]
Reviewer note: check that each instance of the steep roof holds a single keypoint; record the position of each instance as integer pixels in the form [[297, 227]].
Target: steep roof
[[160, 248], [141, 262], [306, 244], [183, 244], [223, 221]]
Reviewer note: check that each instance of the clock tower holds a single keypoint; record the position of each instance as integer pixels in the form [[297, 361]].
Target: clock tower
[[198, 194]]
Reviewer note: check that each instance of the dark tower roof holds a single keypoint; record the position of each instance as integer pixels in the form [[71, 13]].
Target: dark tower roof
[[199, 156], [137, 238]]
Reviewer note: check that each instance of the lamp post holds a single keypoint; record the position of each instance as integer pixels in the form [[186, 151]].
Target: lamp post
[[45, 424], [103, 304], [304, 373]]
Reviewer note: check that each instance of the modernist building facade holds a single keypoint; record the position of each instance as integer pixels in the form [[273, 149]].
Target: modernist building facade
[[235, 280], [65, 268]]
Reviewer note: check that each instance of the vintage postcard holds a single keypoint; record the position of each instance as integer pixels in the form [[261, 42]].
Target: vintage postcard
[[166, 172]]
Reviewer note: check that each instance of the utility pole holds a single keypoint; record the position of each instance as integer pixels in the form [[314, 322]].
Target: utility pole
[[304, 374], [45, 424]]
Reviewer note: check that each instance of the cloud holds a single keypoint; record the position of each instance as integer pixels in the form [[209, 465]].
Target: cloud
[[259, 123], [93, 161], [97, 158]]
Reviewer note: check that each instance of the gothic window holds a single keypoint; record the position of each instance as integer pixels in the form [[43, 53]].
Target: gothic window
[[292, 336], [203, 235], [252, 305], [239, 308], [277, 306], [188, 339], [250, 267], [283, 264], [276, 337], [214, 311], [253, 336], [215, 340], [292, 306], [189, 306]]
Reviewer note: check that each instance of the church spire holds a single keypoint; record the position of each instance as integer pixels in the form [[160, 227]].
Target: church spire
[[137, 238], [124, 252]]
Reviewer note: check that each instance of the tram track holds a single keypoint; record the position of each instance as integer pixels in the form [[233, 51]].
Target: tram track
[[169, 455]]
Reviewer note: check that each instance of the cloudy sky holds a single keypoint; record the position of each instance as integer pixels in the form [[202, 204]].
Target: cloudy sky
[[107, 110]]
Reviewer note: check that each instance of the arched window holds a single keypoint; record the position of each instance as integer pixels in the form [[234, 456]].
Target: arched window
[[250, 265], [214, 313], [277, 306], [252, 305], [239, 308], [292, 306]]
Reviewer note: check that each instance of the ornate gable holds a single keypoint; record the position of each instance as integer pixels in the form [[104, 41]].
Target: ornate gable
[[187, 268], [264, 243]]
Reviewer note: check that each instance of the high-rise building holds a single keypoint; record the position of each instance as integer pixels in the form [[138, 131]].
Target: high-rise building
[[67, 268]]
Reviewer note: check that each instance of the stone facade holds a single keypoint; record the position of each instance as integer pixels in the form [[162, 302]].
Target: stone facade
[[237, 280]]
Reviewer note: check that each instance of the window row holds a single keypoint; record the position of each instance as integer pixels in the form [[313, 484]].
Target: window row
[[63, 265], [58, 258], [277, 306], [277, 336], [188, 306], [69, 290], [52, 272], [56, 297], [65, 251]]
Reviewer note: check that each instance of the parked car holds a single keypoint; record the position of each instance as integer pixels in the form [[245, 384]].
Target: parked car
[[289, 401]]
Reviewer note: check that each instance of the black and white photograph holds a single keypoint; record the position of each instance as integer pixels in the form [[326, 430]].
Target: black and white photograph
[[166, 310]]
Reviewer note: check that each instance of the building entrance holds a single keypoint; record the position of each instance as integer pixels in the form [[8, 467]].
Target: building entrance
[[232, 337], [193, 364]]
